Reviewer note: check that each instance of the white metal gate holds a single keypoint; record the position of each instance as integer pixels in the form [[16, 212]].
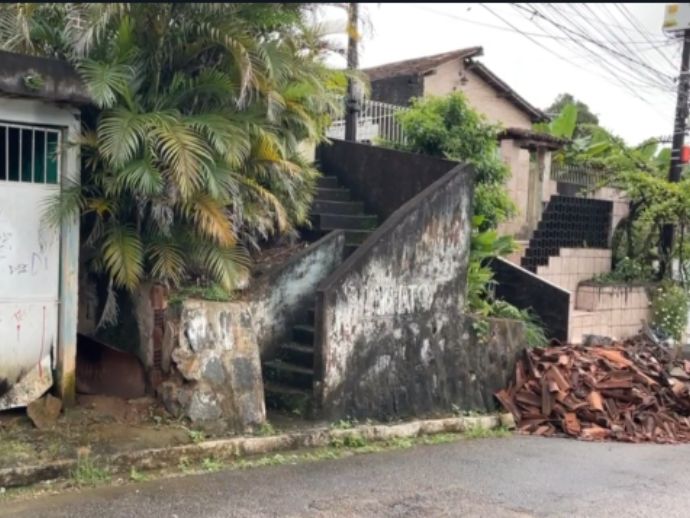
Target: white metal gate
[[29, 262]]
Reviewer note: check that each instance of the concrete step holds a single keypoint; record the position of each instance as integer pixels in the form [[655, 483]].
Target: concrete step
[[287, 373], [303, 334], [337, 207], [356, 237], [272, 386], [298, 354], [327, 182], [337, 194], [339, 221], [292, 399]]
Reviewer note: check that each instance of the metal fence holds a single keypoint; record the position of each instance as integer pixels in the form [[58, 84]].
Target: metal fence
[[578, 175], [375, 121]]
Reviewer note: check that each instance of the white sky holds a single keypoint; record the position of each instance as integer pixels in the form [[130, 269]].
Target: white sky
[[403, 31]]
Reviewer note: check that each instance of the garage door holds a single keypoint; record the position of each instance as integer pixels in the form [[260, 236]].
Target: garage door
[[29, 262]]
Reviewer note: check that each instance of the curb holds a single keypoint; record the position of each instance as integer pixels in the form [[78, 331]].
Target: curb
[[228, 449]]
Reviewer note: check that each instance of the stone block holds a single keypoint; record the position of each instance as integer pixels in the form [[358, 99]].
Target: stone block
[[218, 366], [44, 412]]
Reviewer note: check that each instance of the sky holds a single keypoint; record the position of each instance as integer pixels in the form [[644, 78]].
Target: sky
[[541, 68]]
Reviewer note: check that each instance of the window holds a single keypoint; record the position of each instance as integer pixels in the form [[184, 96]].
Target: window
[[29, 154]]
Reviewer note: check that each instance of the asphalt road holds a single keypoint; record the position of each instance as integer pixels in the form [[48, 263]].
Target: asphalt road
[[515, 476]]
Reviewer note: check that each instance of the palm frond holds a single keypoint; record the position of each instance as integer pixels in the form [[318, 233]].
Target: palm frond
[[120, 135], [185, 154], [211, 219], [167, 260], [122, 255], [106, 81]]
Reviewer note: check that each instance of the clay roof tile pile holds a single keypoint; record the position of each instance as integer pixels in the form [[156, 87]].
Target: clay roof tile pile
[[634, 391]]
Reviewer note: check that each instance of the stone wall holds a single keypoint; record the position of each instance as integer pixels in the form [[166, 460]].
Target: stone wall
[[388, 320], [217, 375]]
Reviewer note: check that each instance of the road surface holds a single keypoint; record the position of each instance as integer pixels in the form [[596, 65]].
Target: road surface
[[506, 477]]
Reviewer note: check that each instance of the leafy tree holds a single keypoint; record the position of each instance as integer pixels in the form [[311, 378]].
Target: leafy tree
[[448, 127], [584, 114], [192, 155]]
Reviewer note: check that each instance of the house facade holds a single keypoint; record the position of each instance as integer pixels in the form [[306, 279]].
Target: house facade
[[527, 153], [39, 116]]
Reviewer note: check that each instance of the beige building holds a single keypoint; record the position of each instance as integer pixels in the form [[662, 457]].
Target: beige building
[[528, 154]]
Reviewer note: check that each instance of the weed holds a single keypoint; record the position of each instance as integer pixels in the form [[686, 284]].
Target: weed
[[401, 442], [211, 464], [86, 473], [266, 429], [479, 432], [136, 476], [344, 424], [184, 465], [196, 436]]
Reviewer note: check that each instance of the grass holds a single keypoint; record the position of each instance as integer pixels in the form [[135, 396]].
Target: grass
[[87, 473], [136, 476], [211, 464], [477, 432]]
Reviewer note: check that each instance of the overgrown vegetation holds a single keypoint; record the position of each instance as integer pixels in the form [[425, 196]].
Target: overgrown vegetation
[[87, 472], [627, 271], [670, 309], [192, 156]]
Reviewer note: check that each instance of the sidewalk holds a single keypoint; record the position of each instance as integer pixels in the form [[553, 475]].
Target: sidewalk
[[108, 436]]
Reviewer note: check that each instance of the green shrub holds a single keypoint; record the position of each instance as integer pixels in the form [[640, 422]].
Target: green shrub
[[670, 309], [628, 270]]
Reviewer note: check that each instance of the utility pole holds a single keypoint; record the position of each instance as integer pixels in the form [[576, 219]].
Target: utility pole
[[352, 102], [679, 128]]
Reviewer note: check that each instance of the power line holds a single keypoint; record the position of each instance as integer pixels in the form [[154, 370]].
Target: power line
[[633, 21], [587, 38], [645, 44], [622, 69]]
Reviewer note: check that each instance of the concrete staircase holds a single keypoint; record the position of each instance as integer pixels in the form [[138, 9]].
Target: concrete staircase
[[570, 245], [289, 378]]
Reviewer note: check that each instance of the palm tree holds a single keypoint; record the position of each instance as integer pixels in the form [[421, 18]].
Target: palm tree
[[192, 155]]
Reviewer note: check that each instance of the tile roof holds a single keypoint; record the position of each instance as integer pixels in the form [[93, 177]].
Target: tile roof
[[419, 65]]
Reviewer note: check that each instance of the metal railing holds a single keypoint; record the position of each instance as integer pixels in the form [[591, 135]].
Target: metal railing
[[376, 121], [578, 175]]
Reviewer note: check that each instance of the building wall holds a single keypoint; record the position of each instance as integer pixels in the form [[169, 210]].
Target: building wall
[[397, 90], [479, 93], [35, 376], [518, 186]]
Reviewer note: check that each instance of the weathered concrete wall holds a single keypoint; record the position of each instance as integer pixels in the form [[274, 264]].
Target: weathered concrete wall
[[383, 178], [217, 359], [283, 295], [388, 320], [59, 81]]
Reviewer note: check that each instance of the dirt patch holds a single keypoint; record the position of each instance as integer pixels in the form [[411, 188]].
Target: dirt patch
[[271, 257], [102, 425]]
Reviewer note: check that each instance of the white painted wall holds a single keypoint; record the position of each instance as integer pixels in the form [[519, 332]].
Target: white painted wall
[[38, 302]]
